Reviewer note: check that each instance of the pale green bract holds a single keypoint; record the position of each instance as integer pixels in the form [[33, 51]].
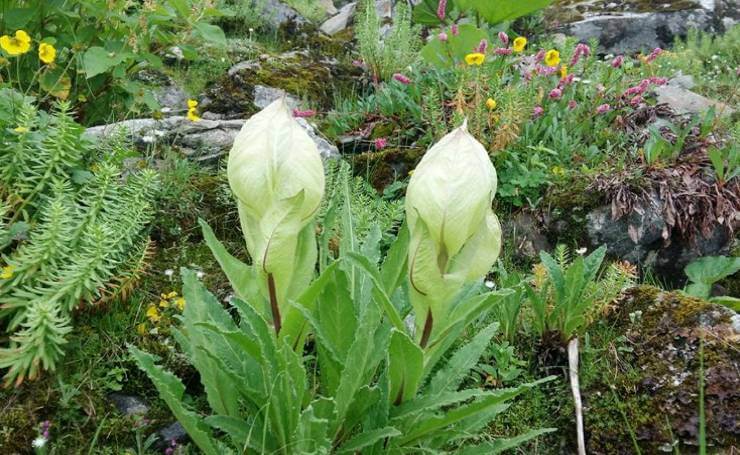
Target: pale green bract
[[277, 176], [455, 236]]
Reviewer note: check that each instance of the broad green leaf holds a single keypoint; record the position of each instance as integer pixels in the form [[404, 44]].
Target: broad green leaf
[[405, 367], [379, 293], [212, 33], [444, 54], [426, 402], [710, 269], [237, 429], [98, 60], [425, 13], [171, 390], [495, 11], [393, 270], [368, 438]]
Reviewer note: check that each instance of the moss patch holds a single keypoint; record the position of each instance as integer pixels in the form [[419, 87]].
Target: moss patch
[[383, 167]]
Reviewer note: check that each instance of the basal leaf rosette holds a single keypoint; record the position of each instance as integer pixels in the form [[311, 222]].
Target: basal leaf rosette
[[455, 236], [277, 176]]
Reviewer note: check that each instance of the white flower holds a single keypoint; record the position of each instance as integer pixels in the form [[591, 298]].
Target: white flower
[[169, 273], [39, 442], [582, 251], [159, 133], [199, 274], [148, 139], [490, 284]]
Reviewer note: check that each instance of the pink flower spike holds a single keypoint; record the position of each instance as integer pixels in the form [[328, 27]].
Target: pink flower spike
[[380, 143], [482, 46], [303, 114], [455, 30], [540, 55], [537, 112], [572, 104], [658, 80], [617, 62], [442, 36], [442, 9], [581, 50], [636, 101], [653, 55], [555, 94], [604, 108], [504, 38], [502, 51], [402, 79]]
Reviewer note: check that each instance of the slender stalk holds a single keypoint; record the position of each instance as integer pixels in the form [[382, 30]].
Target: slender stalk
[[274, 303], [427, 329], [576, 390]]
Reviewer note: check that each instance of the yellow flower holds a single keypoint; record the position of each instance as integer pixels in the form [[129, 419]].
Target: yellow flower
[[141, 329], [563, 72], [558, 170], [20, 129], [180, 303], [18, 44], [7, 272], [552, 58], [476, 58], [192, 104], [192, 116], [153, 313], [164, 303], [491, 103], [519, 44], [47, 53], [171, 295]]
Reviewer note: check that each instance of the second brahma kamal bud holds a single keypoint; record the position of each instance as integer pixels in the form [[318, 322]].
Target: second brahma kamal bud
[[455, 236], [277, 176]]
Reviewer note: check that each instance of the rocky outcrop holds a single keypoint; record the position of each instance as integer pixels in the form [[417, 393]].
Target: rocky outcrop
[[623, 26], [669, 336], [203, 140]]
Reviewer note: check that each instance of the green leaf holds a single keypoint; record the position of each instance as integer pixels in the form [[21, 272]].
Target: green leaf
[[368, 438], [500, 445], [445, 54], [378, 293], [710, 269], [98, 60], [495, 11], [171, 390], [405, 367], [451, 375], [425, 13], [393, 270], [212, 33]]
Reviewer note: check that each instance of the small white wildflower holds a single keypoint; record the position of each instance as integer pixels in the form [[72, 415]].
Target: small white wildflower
[[608, 56], [200, 274], [159, 133], [715, 57], [169, 273], [148, 139], [582, 251], [39, 442], [490, 284]]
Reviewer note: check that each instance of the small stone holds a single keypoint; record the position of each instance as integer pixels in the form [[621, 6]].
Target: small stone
[[173, 432], [340, 21], [264, 96], [684, 101], [129, 404]]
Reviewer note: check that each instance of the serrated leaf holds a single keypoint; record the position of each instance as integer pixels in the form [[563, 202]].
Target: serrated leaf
[[405, 367]]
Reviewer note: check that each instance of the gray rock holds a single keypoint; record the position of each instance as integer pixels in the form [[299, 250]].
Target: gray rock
[[642, 238], [204, 140], [171, 99], [523, 232], [684, 101], [328, 6], [128, 404], [264, 96], [277, 14], [173, 432], [682, 80], [340, 21], [384, 9]]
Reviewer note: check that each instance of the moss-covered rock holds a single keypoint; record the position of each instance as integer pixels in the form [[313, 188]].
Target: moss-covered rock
[[386, 166], [651, 396]]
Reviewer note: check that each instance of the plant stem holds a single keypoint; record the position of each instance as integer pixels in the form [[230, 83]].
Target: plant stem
[[274, 303], [576, 390], [427, 329]]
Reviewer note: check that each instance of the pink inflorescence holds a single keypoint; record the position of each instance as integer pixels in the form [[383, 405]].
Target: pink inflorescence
[[617, 62], [380, 143], [502, 51], [442, 9], [402, 79], [482, 46], [636, 100], [442, 36], [455, 30], [555, 94], [303, 114], [654, 54], [567, 80], [537, 112], [602, 109], [572, 104], [504, 38], [45, 425], [582, 50], [540, 55]]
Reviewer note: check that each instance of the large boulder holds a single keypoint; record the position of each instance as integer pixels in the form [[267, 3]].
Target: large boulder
[[623, 26], [654, 391]]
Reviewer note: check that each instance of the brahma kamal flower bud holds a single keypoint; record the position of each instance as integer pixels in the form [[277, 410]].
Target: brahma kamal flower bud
[[275, 172], [455, 236]]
